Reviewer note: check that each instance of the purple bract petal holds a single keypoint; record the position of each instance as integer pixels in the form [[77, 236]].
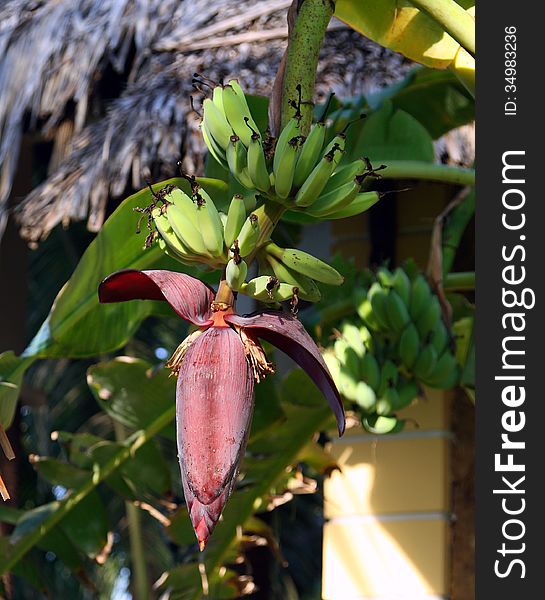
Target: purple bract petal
[[214, 403], [188, 296], [288, 334]]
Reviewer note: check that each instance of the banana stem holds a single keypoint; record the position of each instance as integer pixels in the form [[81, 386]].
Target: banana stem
[[225, 294], [452, 18], [138, 559], [460, 282], [302, 55], [454, 229], [415, 169]]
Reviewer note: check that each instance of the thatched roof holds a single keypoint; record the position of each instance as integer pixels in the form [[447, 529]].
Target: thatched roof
[[54, 53]]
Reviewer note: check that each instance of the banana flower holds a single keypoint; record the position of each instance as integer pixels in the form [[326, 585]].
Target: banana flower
[[216, 367]]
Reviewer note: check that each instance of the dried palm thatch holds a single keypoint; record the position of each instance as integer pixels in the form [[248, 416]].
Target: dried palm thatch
[[53, 54]]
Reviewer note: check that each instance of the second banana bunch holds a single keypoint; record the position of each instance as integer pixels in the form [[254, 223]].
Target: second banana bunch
[[300, 172]]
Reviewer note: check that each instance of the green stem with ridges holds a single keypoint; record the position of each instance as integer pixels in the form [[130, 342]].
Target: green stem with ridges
[[100, 473], [459, 282], [452, 18], [268, 215], [302, 58], [415, 169]]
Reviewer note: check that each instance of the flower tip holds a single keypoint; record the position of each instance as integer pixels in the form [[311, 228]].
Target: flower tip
[[202, 545], [202, 532]]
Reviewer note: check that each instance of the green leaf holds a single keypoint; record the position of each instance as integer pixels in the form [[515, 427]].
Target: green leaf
[[78, 325], [34, 526], [12, 369], [389, 134], [436, 99]]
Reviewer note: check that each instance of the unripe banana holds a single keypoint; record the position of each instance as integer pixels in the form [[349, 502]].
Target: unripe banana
[[236, 110], [210, 224], [169, 242], [420, 297], [446, 373], [236, 215], [370, 371], [237, 159], [257, 166], [345, 174], [397, 312], [425, 363], [378, 296], [216, 123], [248, 236], [267, 289], [169, 250], [188, 234], [316, 181], [332, 363], [380, 425], [349, 359], [308, 290], [439, 338], [310, 154], [365, 396], [362, 202], [429, 318], [409, 345], [235, 274], [305, 263], [290, 131], [283, 175], [353, 338], [242, 97], [384, 277], [216, 151], [402, 285], [335, 200], [364, 309], [347, 385], [407, 393], [184, 203], [389, 376], [388, 402]]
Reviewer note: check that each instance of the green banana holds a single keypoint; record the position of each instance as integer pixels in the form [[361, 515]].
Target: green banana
[[388, 402], [409, 345], [439, 338], [248, 235], [308, 290], [216, 123], [305, 263], [186, 204], [353, 338], [257, 165], [364, 308], [384, 277], [236, 215], [169, 242], [242, 97], [365, 396], [402, 285], [236, 110], [370, 371], [290, 131], [446, 372], [407, 393], [315, 183], [347, 385], [425, 363], [237, 159], [209, 222], [362, 202], [186, 231], [283, 176], [335, 200], [169, 249], [310, 153], [420, 296], [377, 297], [345, 174], [388, 376], [380, 425], [429, 318], [396, 311], [267, 289], [216, 151], [235, 274]]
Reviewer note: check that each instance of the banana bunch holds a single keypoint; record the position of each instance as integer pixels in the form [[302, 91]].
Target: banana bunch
[[369, 379], [302, 172], [288, 273], [408, 314], [189, 228]]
